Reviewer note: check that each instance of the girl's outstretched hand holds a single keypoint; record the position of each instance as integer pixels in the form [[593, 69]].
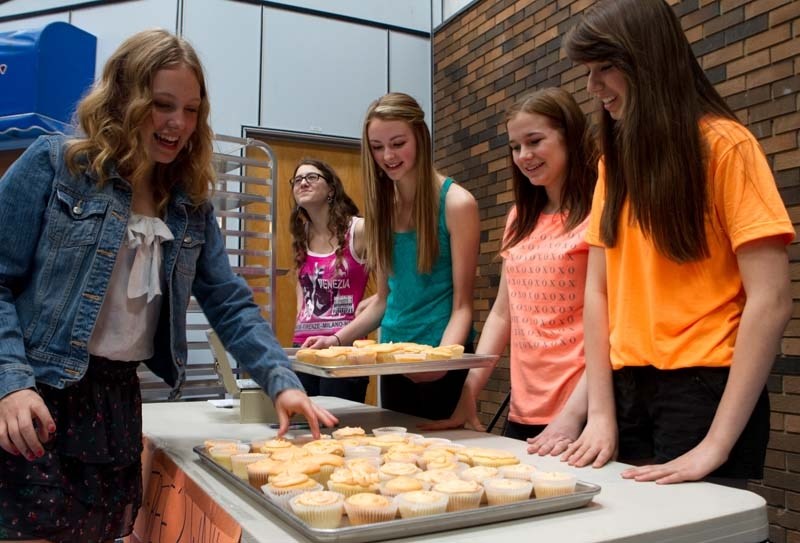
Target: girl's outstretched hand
[[292, 401], [25, 424], [597, 444], [691, 466], [556, 437], [320, 342]]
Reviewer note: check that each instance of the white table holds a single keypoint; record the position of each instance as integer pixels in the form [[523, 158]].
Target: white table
[[623, 511]]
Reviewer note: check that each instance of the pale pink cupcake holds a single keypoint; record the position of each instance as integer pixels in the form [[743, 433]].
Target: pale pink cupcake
[[421, 503], [368, 508], [319, 509], [503, 491]]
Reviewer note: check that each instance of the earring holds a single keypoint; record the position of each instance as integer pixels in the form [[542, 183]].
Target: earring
[[330, 198]]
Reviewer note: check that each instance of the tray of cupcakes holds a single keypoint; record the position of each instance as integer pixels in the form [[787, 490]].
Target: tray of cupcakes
[[366, 357], [353, 486]]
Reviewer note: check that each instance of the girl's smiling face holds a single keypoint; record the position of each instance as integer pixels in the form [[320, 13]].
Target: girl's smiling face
[[539, 151], [608, 83], [393, 147]]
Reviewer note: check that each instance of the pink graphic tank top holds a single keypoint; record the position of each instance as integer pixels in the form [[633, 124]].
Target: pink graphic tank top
[[330, 293]]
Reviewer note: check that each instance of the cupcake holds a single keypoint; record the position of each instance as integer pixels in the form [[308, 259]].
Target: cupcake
[[256, 444], [348, 431], [548, 484], [272, 445], [239, 463], [401, 484], [360, 451], [383, 430], [319, 509], [503, 491], [290, 455], [362, 357], [479, 473], [491, 457], [434, 476], [428, 441], [396, 469], [308, 466], [440, 455], [517, 471], [387, 441], [208, 443], [461, 494], [324, 446], [284, 486], [258, 473], [400, 456], [375, 461], [221, 454], [354, 480], [420, 503], [367, 508]]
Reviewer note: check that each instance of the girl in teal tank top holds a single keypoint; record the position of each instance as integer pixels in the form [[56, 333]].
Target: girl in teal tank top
[[422, 235]]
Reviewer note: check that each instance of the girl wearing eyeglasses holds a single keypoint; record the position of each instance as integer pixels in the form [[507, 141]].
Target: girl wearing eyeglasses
[[332, 274], [422, 236]]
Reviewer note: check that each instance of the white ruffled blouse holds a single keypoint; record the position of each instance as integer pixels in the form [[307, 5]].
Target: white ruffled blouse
[[128, 318]]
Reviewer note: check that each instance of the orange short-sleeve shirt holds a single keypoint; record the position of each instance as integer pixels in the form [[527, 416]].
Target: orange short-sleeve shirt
[[671, 315]]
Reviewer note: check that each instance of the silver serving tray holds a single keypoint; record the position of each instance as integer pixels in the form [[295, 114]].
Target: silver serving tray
[[584, 492], [360, 370]]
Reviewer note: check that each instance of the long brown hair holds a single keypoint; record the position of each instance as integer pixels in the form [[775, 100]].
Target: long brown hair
[[655, 155], [119, 103], [564, 114], [342, 210], [379, 191]]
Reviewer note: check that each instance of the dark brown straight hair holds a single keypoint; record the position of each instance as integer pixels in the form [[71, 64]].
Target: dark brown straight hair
[[655, 155], [342, 210], [530, 200]]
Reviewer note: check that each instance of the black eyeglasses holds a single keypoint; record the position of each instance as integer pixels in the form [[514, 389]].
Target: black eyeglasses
[[311, 178]]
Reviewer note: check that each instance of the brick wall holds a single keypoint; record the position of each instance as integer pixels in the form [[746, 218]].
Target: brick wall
[[490, 54]]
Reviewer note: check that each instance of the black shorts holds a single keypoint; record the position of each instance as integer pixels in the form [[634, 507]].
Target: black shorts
[[662, 414]]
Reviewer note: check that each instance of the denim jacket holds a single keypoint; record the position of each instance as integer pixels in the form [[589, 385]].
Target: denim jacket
[[59, 238]]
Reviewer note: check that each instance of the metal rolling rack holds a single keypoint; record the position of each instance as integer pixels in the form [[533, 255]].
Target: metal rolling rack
[[243, 203]]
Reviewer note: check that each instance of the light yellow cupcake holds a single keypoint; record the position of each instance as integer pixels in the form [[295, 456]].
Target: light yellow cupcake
[[258, 473], [434, 476], [461, 494], [221, 454], [549, 484], [306, 466], [284, 486], [279, 444], [503, 491], [387, 441], [396, 469], [491, 457], [347, 432], [354, 480], [368, 508], [324, 446], [401, 484], [327, 464], [239, 463], [208, 443], [420, 503], [319, 509], [517, 471], [289, 455]]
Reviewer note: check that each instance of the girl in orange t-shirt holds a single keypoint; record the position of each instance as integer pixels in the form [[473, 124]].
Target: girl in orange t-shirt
[[687, 289], [539, 304]]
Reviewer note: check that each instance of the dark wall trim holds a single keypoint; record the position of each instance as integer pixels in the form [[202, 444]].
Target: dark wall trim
[[266, 3], [786, 365], [300, 137]]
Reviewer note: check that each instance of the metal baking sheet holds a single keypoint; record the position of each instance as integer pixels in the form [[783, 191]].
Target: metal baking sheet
[[361, 370], [584, 493]]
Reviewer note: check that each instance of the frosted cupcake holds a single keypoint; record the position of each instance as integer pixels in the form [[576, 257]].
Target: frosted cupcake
[[374, 461], [491, 457], [347, 432], [361, 451], [319, 509], [462, 494], [517, 471], [272, 445], [387, 441], [434, 476], [401, 484], [290, 455], [428, 441], [383, 430], [221, 454], [367, 508], [548, 484], [258, 473], [239, 463], [324, 446], [208, 443], [396, 469], [442, 456], [479, 474], [355, 480], [284, 486], [421, 503], [503, 491], [400, 456], [306, 466], [327, 464]]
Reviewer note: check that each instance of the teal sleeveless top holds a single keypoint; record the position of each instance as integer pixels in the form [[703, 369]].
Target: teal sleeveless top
[[419, 305]]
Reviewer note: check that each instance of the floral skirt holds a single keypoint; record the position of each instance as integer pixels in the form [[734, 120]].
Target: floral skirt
[[88, 485]]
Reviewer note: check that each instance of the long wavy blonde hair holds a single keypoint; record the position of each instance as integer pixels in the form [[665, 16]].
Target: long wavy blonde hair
[[110, 116], [379, 191]]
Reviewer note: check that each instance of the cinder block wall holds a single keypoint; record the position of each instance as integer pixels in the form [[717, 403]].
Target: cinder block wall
[[495, 50]]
